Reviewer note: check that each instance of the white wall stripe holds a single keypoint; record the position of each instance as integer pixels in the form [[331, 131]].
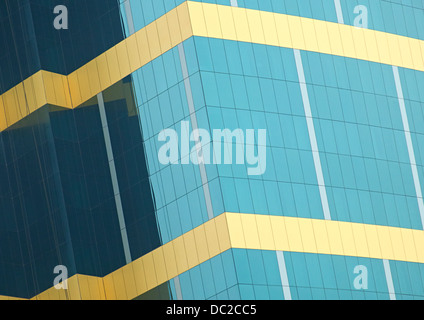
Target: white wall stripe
[[128, 14], [177, 286], [389, 279], [194, 125], [283, 275], [234, 3], [339, 11], [114, 178], [312, 135], [409, 144]]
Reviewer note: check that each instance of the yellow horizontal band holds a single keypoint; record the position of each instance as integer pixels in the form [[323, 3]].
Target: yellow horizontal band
[[97, 75], [205, 20], [245, 231], [288, 31]]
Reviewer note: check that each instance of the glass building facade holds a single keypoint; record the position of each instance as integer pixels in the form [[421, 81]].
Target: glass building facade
[[333, 210]]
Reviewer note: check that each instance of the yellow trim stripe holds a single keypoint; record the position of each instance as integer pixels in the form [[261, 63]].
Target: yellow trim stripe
[[97, 75], [205, 20], [245, 231]]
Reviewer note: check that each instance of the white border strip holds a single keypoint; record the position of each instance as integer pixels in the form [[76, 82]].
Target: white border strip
[[128, 14], [283, 275], [312, 135], [177, 286], [409, 143], [114, 178], [339, 11], [389, 279], [234, 3], [193, 119]]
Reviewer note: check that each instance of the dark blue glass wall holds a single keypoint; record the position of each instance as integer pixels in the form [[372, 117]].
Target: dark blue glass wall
[[57, 202], [30, 42]]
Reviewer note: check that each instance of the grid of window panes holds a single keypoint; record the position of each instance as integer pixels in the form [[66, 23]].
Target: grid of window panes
[[231, 85], [403, 17], [359, 131], [255, 274], [30, 42], [241, 85]]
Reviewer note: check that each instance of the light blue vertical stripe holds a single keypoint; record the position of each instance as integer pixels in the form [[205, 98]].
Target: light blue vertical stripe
[[409, 144], [129, 17], [114, 178], [283, 275], [312, 135], [177, 285], [389, 279], [194, 125], [339, 11]]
